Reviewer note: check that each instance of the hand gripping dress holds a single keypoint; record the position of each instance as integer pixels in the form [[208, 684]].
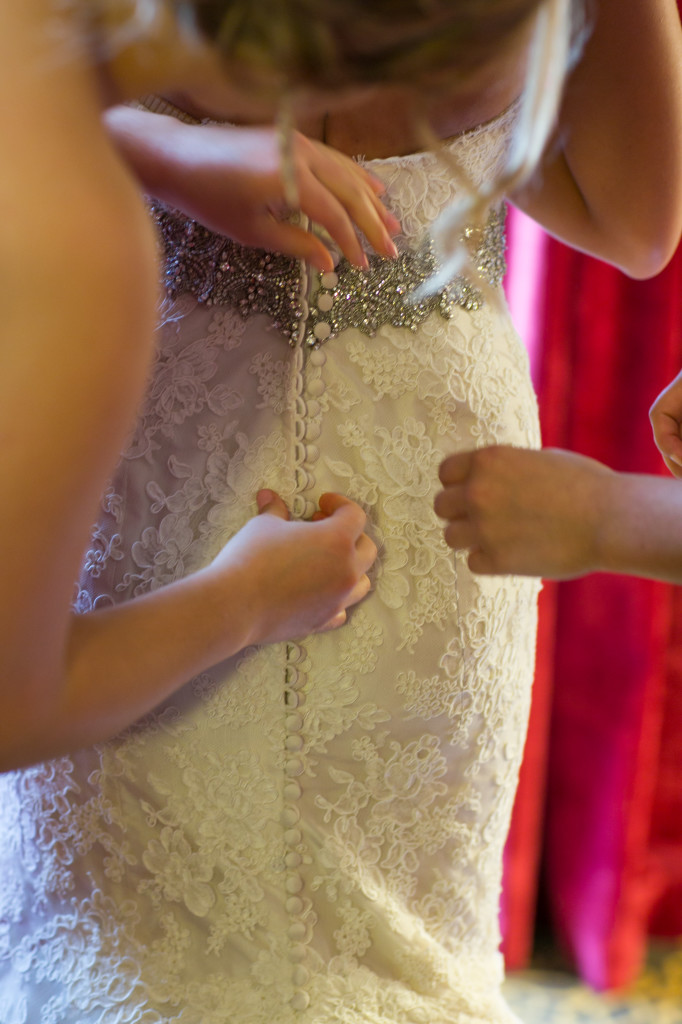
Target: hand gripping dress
[[311, 832]]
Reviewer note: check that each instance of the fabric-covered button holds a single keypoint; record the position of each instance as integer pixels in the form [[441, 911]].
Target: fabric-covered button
[[297, 931], [296, 953], [322, 331], [313, 430], [325, 301], [294, 766], [293, 885], [316, 388], [294, 905], [329, 280], [317, 357], [300, 1001], [292, 836], [300, 975], [292, 677], [293, 744], [290, 816], [292, 790]]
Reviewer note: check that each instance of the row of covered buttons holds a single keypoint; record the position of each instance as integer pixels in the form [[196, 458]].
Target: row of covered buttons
[[308, 429], [291, 820], [325, 303]]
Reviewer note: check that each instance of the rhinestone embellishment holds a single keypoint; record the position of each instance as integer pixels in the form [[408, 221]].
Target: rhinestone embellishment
[[218, 271]]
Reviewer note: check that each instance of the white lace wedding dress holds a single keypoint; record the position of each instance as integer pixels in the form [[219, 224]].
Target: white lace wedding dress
[[312, 832]]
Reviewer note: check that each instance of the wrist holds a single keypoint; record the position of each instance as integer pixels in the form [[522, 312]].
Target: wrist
[[606, 541], [628, 526], [229, 609]]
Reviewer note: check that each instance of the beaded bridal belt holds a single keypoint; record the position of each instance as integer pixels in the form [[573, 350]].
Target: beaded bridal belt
[[218, 271]]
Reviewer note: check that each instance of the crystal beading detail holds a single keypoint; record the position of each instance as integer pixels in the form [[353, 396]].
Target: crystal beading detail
[[218, 271]]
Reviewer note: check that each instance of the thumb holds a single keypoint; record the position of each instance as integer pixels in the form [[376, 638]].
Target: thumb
[[343, 510], [271, 503]]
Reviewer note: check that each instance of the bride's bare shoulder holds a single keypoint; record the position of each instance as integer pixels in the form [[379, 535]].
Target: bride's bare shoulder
[[389, 124]]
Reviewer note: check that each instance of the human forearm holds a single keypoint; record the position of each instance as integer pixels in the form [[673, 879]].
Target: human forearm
[[557, 514], [611, 184], [274, 580], [123, 661], [149, 143], [642, 534]]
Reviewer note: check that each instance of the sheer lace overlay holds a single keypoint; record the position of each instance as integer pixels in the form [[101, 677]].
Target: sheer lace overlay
[[310, 832]]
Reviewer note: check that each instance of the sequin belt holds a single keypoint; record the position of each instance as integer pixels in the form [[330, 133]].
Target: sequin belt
[[218, 271]]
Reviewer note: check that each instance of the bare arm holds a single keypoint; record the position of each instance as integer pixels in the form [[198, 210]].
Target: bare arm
[[611, 184], [79, 273], [556, 514], [666, 422], [275, 580], [74, 356]]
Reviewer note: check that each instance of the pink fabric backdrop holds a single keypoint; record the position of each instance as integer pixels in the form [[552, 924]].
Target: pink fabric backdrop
[[608, 692]]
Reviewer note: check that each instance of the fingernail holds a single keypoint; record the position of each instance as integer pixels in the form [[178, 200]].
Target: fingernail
[[325, 265], [391, 248], [263, 498]]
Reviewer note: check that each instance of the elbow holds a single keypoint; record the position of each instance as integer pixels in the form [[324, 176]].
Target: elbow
[[30, 721], [647, 248], [643, 261]]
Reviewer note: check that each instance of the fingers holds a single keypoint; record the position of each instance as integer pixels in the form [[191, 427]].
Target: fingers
[[333, 623], [479, 562], [339, 205], [347, 512], [347, 195], [456, 468], [271, 503], [674, 465], [451, 503], [359, 591], [366, 552], [280, 236], [376, 184], [332, 504], [667, 437], [460, 535], [320, 204]]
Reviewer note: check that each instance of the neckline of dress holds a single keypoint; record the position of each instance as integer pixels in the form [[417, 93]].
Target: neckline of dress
[[509, 114]]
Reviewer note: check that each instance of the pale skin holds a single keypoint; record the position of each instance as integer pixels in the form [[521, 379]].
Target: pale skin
[[228, 178], [67, 403], [580, 194], [666, 422], [557, 514], [75, 359], [607, 121]]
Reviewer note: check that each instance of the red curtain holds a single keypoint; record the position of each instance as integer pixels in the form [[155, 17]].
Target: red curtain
[[604, 753]]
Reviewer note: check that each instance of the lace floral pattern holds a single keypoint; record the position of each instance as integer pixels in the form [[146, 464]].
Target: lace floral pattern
[[310, 832]]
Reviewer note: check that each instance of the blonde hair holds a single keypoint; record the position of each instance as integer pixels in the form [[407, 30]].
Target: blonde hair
[[330, 43], [327, 43]]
